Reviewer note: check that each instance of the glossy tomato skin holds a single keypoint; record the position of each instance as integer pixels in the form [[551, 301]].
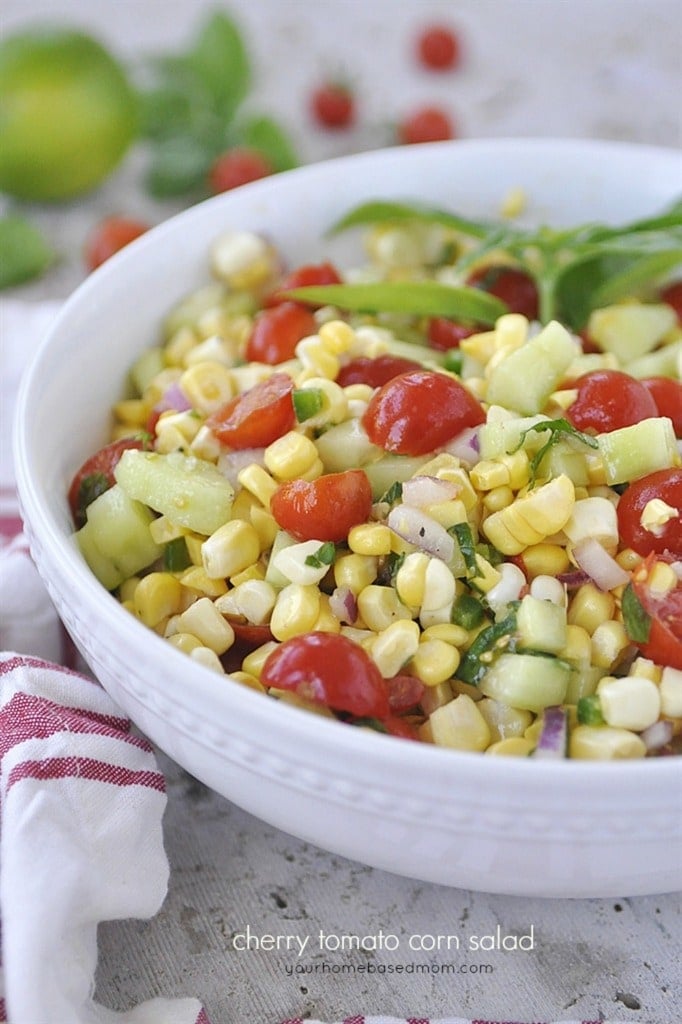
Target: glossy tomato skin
[[277, 331], [664, 645], [672, 294], [102, 463], [332, 105], [258, 416], [665, 484], [420, 411], [438, 48], [428, 124], [325, 508], [303, 277], [331, 670], [667, 394], [237, 167], [374, 372], [445, 334], [514, 287], [109, 237], [608, 400]]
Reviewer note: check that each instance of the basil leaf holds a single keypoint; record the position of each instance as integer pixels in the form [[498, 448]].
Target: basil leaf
[[220, 60], [179, 165], [473, 665], [636, 620], [380, 212], [24, 253], [558, 429], [639, 272], [417, 298], [323, 556], [393, 495], [464, 537], [269, 138]]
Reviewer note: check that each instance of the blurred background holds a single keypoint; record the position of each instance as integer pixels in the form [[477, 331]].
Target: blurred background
[[606, 69]]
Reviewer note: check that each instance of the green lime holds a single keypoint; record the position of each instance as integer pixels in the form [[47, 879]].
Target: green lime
[[67, 114]]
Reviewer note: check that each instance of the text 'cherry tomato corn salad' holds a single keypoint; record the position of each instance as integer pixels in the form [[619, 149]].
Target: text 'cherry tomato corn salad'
[[438, 496]]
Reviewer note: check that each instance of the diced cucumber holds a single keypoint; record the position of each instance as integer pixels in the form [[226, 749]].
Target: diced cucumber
[[346, 446], [526, 378], [146, 367], [629, 330], [528, 681], [272, 574], [189, 311], [188, 491], [418, 353], [664, 362], [502, 436], [103, 568], [119, 529], [633, 452], [582, 682], [562, 458], [390, 468], [541, 625]]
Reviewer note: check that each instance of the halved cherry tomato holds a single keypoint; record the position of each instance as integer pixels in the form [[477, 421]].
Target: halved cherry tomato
[[445, 334], [513, 286], [247, 637], [109, 236], [420, 411], [303, 277], [86, 486], [667, 394], [331, 670], [427, 124], [665, 484], [672, 294], [237, 167], [258, 416], [664, 645], [277, 332], [608, 400], [374, 372], [323, 509]]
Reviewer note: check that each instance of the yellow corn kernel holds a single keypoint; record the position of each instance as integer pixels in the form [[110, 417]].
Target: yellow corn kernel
[[545, 560], [647, 669], [435, 696], [194, 544], [229, 550], [604, 743], [538, 514], [358, 392], [633, 702], [662, 579], [480, 347], [671, 692], [252, 573], [314, 471], [159, 384], [498, 498], [132, 411], [395, 646], [628, 559], [258, 482], [337, 337], [578, 646], [434, 661], [504, 721], [295, 612], [265, 525], [208, 385], [163, 531], [515, 746], [609, 641], [439, 586], [206, 445], [448, 632], [518, 466], [487, 474], [380, 606], [459, 725], [596, 472], [355, 571], [315, 356], [447, 513], [246, 679], [253, 599], [334, 402], [410, 580], [205, 622], [242, 259], [400, 546], [156, 597], [175, 431], [370, 539], [487, 577], [243, 504], [184, 642], [179, 345], [590, 607], [326, 621], [290, 456], [513, 204], [207, 657], [215, 347], [254, 660]]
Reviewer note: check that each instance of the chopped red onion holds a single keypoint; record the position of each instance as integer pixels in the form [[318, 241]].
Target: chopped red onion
[[574, 579], [466, 446], [553, 735], [427, 490], [657, 735], [599, 565], [173, 398], [343, 605], [231, 464], [422, 531]]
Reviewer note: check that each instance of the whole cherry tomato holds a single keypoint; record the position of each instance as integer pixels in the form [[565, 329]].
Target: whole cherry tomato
[[110, 236], [445, 334], [666, 485], [608, 400], [258, 416], [438, 48], [428, 124], [672, 294], [96, 475], [325, 508], [419, 411], [374, 372], [667, 394], [237, 167], [332, 105], [331, 670], [513, 286], [277, 331], [303, 277]]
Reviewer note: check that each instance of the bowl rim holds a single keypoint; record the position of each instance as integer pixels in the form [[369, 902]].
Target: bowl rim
[[327, 735]]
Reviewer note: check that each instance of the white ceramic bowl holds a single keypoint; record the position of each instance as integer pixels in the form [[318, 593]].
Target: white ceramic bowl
[[492, 824]]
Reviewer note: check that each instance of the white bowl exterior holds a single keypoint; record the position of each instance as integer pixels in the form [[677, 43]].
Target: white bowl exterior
[[490, 824]]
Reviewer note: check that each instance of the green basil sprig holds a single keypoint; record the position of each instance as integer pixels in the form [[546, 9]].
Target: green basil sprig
[[415, 298]]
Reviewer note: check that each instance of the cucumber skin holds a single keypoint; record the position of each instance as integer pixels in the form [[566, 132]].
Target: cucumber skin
[[526, 378], [116, 541], [630, 453], [527, 681], [190, 492]]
